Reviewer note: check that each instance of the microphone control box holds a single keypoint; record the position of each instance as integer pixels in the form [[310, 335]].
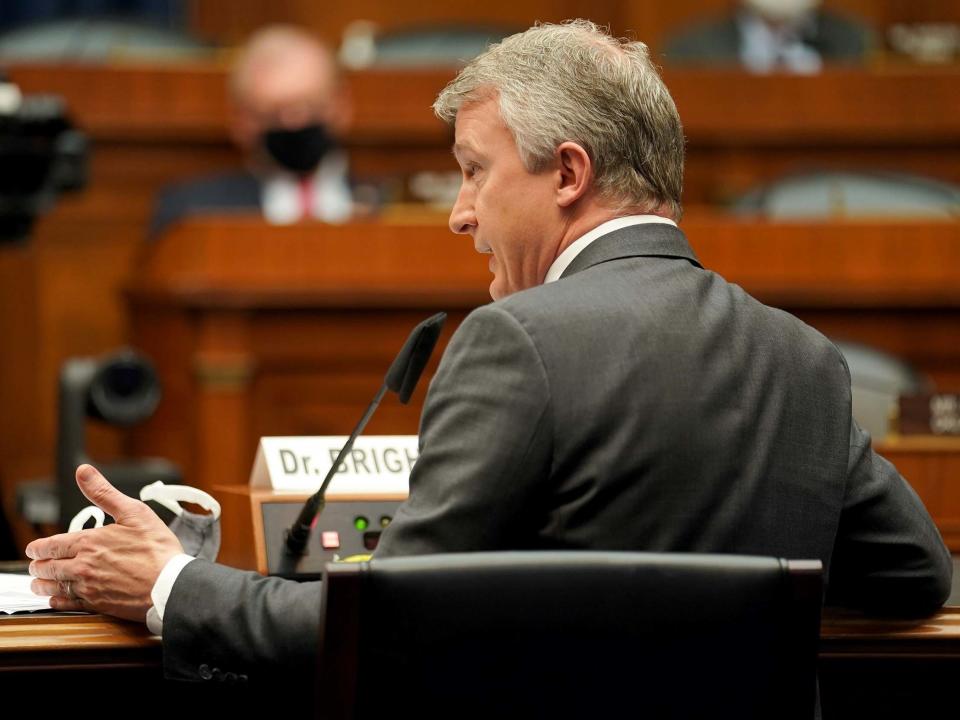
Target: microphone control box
[[254, 523]]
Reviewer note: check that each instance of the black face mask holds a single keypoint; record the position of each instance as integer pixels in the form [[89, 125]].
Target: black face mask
[[299, 150]]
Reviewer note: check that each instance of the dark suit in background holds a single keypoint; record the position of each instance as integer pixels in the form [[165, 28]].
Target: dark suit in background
[[232, 192], [639, 403]]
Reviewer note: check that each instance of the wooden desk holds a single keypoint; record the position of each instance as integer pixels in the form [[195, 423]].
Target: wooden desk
[[89, 665], [869, 668], [873, 669], [67, 643]]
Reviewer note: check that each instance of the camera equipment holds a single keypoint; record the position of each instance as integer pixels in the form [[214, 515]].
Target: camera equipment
[[121, 389], [41, 154]]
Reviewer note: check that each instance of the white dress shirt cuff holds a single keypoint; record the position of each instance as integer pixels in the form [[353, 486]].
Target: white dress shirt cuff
[[162, 589]]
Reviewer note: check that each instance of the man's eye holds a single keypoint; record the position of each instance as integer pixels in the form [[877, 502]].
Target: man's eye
[[471, 170]]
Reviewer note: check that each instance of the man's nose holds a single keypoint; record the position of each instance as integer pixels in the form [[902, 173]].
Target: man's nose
[[463, 219]]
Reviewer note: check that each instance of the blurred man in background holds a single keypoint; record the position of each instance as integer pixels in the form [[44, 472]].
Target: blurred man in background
[[768, 35], [288, 109]]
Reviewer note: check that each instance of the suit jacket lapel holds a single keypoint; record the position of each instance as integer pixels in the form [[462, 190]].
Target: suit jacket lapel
[[647, 240]]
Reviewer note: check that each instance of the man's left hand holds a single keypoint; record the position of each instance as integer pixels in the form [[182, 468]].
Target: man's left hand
[[110, 569]]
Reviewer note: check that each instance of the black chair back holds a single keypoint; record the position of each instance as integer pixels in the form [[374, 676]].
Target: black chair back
[[571, 634]]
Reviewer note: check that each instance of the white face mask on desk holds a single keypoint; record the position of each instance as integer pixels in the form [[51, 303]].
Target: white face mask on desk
[[199, 534]]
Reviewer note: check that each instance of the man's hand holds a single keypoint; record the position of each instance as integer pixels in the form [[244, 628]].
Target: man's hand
[[110, 569]]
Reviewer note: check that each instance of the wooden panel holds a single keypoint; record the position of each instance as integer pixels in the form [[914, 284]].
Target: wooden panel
[[742, 130], [843, 263], [932, 465], [19, 324], [648, 21], [328, 20], [839, 106], [840, 263]]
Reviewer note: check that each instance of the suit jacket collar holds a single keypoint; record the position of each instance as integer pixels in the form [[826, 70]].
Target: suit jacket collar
[[650, 240]]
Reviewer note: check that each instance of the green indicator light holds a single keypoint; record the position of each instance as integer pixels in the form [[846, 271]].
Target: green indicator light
[[361, 523]]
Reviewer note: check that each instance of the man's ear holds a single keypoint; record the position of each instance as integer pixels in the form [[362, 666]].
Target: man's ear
[[575, 173]]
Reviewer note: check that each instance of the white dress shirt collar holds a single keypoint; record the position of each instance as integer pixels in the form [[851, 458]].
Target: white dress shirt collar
[[280, 193], [576, 247]]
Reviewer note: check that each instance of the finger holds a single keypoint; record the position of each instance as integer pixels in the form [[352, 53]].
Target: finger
[[105, 496], [63, 595], [62, 603], [50, 588], [46, 587], [54, 547], [53, 569]]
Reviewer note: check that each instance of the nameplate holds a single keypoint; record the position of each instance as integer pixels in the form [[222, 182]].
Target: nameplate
[[937, 414], [375, 465]]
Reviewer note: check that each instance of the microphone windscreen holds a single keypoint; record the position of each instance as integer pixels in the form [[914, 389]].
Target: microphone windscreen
[[405, 372]]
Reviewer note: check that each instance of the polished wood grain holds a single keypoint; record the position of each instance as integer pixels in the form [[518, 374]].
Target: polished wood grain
[[49, 641], [858, 263], [850, 634], [36, 641]]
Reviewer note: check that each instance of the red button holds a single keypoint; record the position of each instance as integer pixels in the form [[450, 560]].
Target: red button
[[330, 539]]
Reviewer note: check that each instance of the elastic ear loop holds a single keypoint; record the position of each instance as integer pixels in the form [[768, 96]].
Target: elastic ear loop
[[170, 496], [80, 519]]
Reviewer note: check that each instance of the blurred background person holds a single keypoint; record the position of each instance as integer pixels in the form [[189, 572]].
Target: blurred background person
[[288, 111], [767, 35]]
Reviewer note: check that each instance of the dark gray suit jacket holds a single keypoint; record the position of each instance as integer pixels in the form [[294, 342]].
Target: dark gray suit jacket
[[639, 403]]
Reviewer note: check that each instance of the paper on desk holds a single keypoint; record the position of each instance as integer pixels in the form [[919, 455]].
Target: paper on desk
[[16, 596]]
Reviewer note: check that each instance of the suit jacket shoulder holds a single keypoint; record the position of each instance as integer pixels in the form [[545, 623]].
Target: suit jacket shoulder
[[232, 191]]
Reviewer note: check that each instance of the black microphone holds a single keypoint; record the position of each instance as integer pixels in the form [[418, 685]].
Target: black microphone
[[401, 378]]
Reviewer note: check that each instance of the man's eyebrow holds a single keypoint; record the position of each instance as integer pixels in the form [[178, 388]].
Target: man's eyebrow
[[459, 148]]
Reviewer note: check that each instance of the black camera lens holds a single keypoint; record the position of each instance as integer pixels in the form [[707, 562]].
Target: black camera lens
[[125, 389]]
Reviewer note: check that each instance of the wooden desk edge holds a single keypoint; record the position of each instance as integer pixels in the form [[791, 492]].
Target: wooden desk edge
[[74, 641]]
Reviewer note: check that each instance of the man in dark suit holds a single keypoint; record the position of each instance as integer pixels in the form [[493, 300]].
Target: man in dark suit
[[288, 107], [616, 395]]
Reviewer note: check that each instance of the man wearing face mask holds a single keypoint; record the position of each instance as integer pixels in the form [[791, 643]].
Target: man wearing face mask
[[288, 107], [773, 35]]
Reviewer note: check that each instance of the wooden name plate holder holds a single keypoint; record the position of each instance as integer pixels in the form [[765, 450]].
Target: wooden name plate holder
[[363, 496]]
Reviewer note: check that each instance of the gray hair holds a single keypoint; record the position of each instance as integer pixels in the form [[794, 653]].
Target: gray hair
[[574, 82]]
